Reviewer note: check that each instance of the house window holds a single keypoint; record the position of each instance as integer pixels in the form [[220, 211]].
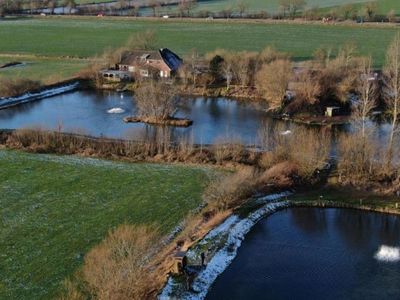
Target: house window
[[144, 73], [131, 69], [162, 73]]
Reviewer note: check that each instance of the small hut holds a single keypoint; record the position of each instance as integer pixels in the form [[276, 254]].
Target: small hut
[[180, 262], [332, 111]]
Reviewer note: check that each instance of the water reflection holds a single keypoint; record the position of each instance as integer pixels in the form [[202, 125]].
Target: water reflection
[[87, 110], [310, 221]]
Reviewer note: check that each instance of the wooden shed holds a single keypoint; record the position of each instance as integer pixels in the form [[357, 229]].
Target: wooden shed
[[180, 262]]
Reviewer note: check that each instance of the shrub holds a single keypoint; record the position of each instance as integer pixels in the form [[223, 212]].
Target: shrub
[[228, 192], [118, 268]]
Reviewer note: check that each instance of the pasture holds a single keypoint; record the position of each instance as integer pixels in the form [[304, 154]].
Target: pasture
[[55, 208], [47, 70], [86, 37], [270, 6]]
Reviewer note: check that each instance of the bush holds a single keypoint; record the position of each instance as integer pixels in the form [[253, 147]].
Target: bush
[[228, 192], [118, 268]]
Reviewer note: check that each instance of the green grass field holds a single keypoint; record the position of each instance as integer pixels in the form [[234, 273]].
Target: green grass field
[[55, 208], [85, 37], [270, 6], [47, 70]]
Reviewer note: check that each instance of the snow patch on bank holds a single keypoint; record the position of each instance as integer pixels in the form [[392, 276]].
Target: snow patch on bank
[[388, 254], [234, 229], [28, 97]]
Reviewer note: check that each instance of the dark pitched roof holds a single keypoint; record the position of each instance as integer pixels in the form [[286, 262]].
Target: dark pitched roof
[[138, 57], [171, 59]]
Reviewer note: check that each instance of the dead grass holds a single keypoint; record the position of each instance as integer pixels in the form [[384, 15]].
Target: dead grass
[[16, 87], [229, 192]]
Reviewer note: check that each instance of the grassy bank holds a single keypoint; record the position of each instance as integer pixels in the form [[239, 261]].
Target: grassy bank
[[48, 70], [349, 197], [55, 208], [85, 37]]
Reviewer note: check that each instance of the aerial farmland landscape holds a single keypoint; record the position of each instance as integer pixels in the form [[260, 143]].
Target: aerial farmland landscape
[[199, 149]]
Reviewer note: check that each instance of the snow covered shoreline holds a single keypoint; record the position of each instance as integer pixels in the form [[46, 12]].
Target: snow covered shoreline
[[45, 93], [231, 232]]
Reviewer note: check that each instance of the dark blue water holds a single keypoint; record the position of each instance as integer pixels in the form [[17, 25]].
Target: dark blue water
[[86, 112], [310, 253]]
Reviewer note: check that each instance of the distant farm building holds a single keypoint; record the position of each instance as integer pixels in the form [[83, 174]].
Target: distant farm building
[[162, 63]]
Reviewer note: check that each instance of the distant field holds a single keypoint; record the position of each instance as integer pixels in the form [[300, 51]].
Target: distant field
[[383, 7], [85, 37], [271, 6], [53, 209]]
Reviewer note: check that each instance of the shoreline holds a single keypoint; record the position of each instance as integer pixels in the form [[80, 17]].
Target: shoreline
[[43, 92], [229, 232]]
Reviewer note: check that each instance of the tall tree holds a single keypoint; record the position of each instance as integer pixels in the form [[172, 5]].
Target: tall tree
[[367, 90], [272, 81], [242, 6], [392, 91]]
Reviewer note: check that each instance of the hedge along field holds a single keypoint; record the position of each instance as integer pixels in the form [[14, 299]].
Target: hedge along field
[[85, 37], [55, 208]]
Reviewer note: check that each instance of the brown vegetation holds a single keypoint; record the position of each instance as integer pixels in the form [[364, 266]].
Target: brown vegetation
[[17, 87], [272, 81], [118, 267], [170, 121], [156, 100], [392, 92]]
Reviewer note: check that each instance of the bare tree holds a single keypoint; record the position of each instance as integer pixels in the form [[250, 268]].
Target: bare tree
[[392, 91], [284, 5], [242, 68], [307, 90], [70, 4], [52, 4], [156, 100], [369, 11], [367, 91], [2, 8], [186, 6], [242, 6], [154, 5], [291, 6], [272, 81], [227, 67], [296, 5], [123, 4], [391, 16]]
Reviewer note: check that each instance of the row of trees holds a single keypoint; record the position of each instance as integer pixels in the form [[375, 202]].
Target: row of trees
[[18, 6]]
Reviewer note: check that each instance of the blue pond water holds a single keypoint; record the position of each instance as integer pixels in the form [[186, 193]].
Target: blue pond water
[[311, 253], [86, 112]]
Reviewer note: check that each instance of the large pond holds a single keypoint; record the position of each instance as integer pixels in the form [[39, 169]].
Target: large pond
[[311, 253], [94, 113]]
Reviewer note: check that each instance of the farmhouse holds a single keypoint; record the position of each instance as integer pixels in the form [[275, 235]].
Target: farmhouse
[[161, 63]]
